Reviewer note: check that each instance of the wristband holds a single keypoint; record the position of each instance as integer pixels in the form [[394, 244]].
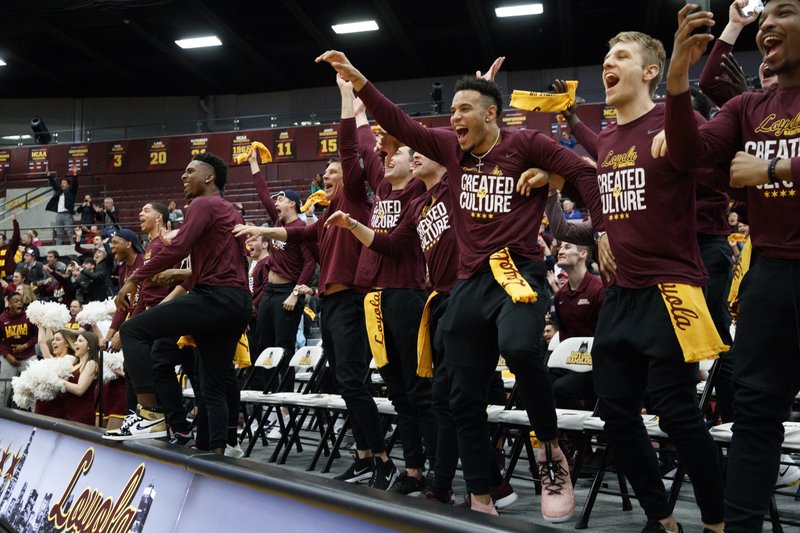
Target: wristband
[[773, 176], [351, 228]]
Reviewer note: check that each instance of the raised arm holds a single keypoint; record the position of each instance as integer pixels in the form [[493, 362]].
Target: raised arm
[[722, 77], [373, 166], [579, 232], [433, 142], [262, 189], [16, 238]]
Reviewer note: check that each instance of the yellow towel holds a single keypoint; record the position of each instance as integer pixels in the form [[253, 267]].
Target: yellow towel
[[263, 151], [506, 274], [692, 322], [374, 318], [424, 347], [545, 102], [241, 357], [186, 340], [738, 274], [313, 199]]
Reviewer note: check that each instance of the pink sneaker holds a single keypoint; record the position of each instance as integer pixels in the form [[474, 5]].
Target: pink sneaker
[[487, 508], [558, 496]]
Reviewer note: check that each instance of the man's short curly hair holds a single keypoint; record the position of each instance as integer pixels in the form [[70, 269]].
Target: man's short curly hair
[[490, 93], [220, 168]]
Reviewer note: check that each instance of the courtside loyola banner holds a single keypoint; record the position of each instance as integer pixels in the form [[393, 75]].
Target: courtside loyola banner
[[55, 483]]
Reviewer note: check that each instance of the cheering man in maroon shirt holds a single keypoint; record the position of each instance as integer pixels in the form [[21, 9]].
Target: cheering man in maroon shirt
[[281, 305], [215, 312], [637, 349], [393, 306], [342, 325], [757, 132], [578, 303], [497, 243]]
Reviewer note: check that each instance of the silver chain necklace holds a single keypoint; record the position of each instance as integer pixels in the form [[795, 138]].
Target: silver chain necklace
[[480, 158]]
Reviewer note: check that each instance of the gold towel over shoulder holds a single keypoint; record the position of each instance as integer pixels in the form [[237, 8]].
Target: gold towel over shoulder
[[692, 322], [506, 274], [424, 341], [373, 314]]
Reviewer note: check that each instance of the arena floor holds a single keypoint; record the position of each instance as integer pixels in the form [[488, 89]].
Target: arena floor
[[606, 516]]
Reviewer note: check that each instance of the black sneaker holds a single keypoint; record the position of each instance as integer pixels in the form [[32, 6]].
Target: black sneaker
[[410, 486], [360, 471], [654, 526], [384, 475]]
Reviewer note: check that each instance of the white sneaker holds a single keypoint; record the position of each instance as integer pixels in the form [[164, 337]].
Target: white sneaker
[[788, 474], [145, 424], [236, 452]]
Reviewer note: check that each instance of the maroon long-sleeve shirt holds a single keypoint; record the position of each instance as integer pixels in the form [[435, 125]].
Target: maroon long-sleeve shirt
[[17, 329], [338, 250], [711, 205], [293, 261], [765, 124], [426, 224], [490, 215], [374, 269], [206, 235], [579, 310], [120, 315]]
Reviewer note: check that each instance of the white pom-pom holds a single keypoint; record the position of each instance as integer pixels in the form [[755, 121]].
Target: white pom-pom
[[94, 312], [112, 362], [41, 381], [50, 315]]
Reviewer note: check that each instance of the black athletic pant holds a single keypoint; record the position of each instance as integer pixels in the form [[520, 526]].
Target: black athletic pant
[[572, 390], [216, 317], [636, 352], [446, 437], [345, 342], [482, 321], [409, 393], [718, 261], [275, 325], [766, 380], [166, 356]]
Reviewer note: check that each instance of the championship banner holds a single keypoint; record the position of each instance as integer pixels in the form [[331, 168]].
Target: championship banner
[[158, 154], [609, 117], [514, 118], [328, 143], [37, 159], [283, 147], [240, 145], [198, 145], [5, 160], [117, 157], [77, 158]]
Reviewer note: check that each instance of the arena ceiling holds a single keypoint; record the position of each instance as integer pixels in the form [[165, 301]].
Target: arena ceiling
[[94, 48]]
